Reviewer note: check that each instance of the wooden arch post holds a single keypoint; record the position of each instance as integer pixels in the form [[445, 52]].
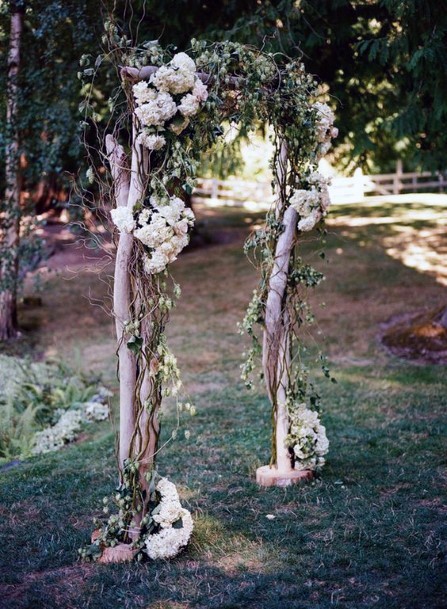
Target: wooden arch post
[[276, 356]]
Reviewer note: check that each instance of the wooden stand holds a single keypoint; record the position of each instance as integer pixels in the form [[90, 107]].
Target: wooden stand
[[271, 476]]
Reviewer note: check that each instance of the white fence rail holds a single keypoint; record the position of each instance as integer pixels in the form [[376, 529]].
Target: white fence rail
[[239, 192]]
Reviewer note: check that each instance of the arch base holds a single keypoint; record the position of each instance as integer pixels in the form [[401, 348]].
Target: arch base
[[271, 476]]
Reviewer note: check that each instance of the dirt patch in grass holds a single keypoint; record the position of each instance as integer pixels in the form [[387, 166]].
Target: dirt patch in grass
[[417, 336]]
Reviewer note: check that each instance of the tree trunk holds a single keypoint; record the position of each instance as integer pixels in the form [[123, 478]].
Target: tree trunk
[[10, 216]]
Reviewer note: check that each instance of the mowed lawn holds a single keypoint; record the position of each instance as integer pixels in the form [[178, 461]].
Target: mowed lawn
[[369, 533]]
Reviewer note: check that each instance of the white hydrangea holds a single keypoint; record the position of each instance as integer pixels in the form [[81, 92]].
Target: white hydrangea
[[63, 432], [200, 91], [164, 229], [325, 127], [155, 263], [154, 233], [307, 437], [169, 211], [150, 141], [173, 80], [157, 111], [304, 201], [143, 93], [311, 204], [95, 411], [168, 542], [123, 219], [167, 490], [189, 105], [182, 61], [69, 423], [308, 222]]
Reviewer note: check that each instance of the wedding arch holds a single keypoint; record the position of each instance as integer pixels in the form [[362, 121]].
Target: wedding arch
[[175, 106]]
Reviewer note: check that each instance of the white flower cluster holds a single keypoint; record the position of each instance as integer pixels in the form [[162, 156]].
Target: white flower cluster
[[312, 204], [151, 141], [164, 229], [307, 437], [156, 105], [95, 411], [65, 431], [168, 542], [325, 127], [70, 422], [123, 219]]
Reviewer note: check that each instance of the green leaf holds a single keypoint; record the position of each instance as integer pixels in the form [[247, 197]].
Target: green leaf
[[134, 344]]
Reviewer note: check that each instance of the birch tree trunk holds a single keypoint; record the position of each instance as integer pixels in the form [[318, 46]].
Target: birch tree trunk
[[276, 357], [122, 299], [139, 427], [10, 215]]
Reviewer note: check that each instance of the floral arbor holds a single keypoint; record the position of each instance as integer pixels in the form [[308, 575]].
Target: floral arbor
[[176, 106]]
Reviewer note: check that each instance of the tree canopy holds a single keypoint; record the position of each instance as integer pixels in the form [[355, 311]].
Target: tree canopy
[[383, 62]]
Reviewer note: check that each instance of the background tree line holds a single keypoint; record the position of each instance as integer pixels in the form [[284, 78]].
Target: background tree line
[[383, 62]]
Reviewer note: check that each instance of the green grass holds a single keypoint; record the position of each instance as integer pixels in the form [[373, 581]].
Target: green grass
[[369, 533]]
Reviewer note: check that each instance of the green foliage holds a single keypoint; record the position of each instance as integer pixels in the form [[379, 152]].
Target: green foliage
[[30, 395], [383, 61]]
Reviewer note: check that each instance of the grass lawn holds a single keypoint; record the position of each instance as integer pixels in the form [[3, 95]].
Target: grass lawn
[[369, 533]]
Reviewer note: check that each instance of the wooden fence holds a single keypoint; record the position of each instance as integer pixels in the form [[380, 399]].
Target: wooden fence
[[342, 189]]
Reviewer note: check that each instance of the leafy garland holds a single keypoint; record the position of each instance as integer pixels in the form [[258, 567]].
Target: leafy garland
[[176, 106]]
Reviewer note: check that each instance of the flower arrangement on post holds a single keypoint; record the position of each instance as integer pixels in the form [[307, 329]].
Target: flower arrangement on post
[[299, 441], [173, 107]]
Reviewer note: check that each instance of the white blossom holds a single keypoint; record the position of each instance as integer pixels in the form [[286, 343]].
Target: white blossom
[[308, 222], [143, 93], [183, 62], [173, 80], [151, 141], [311, 204], [155, 233], [325, 127], [200, 90], [164, 229], [63, 432], [157, 111], [304, 201], [95, 411], [155, 263], [123, 219], [307, 437], [189, 105], [169, 541]]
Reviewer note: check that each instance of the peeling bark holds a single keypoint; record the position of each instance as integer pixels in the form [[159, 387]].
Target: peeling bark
[[10, 218]]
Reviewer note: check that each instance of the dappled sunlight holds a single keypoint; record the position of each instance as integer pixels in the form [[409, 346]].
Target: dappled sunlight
[[423, 249]]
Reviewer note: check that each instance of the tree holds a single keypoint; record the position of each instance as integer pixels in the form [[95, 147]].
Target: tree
[[383, 62], [39, 122], [10, 209]]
